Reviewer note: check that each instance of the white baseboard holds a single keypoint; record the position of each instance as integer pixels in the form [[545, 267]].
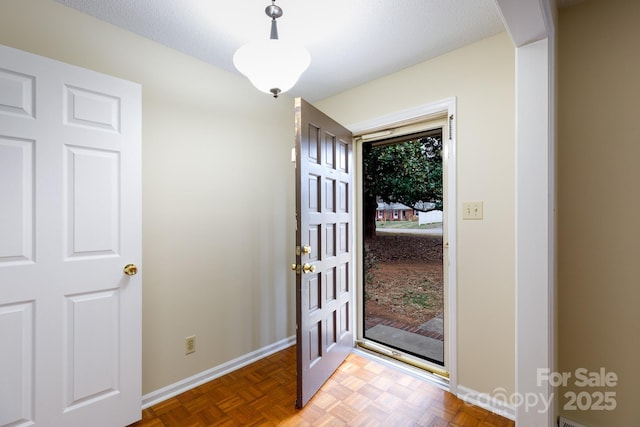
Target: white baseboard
[[485, 401], [186, 384]]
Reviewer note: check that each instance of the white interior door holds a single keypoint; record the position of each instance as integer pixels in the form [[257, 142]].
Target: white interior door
[[70, 319]]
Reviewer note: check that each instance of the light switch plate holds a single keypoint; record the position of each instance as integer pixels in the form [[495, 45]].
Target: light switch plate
[[472, 210]]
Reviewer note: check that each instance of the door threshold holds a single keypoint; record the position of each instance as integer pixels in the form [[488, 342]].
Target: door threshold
[[403, 364]]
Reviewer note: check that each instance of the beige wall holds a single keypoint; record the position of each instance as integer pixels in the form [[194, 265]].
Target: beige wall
[[218, 193], [599, 202], [481, 77]]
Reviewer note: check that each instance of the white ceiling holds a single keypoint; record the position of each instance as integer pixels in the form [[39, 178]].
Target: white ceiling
[[350, 41]]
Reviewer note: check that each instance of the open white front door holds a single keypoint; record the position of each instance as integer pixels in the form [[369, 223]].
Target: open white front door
[[70, 318]]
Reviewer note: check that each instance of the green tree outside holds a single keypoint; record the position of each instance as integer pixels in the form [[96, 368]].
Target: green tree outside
[[408, 172]]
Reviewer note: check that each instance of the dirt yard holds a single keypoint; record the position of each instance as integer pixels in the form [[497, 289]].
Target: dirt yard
[[404, 281]]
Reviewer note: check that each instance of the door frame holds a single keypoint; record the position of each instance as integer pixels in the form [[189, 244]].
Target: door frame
[[447, 105]]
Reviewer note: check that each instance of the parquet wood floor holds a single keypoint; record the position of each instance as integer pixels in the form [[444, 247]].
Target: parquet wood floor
[[362, 392]]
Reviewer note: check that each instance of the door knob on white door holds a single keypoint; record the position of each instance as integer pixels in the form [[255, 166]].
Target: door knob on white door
[[130, 269]]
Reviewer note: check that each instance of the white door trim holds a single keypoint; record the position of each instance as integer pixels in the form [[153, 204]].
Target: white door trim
[[425, 110], [532, 29]]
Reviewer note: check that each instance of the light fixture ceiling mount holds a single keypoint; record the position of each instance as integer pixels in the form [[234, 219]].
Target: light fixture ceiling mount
[[273, 65]]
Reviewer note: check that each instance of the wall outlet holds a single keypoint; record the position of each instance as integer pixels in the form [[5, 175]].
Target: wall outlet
[[190, 344], [472, 210]]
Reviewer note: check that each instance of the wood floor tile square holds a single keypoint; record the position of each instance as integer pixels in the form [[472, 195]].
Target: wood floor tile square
[[362, 392]]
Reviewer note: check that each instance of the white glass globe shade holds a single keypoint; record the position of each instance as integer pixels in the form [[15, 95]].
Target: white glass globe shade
[[272, 64]]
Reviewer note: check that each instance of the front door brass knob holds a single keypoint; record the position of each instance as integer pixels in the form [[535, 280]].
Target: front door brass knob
[[306, 250], [130, 269], [307, 268]]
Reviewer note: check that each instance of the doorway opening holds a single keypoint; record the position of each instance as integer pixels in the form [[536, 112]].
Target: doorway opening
[[403, 287]]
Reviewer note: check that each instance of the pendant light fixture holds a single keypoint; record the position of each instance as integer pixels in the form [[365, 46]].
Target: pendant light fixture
[[273, 66]]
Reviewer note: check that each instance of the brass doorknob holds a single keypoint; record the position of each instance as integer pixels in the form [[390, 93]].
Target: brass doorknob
[[307, 268], [130, 269], [306, 250]]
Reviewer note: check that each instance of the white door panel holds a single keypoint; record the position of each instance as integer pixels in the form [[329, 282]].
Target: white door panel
[[92, 216], [16, 93], [69, 223], [16, 192], [16, 371]]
